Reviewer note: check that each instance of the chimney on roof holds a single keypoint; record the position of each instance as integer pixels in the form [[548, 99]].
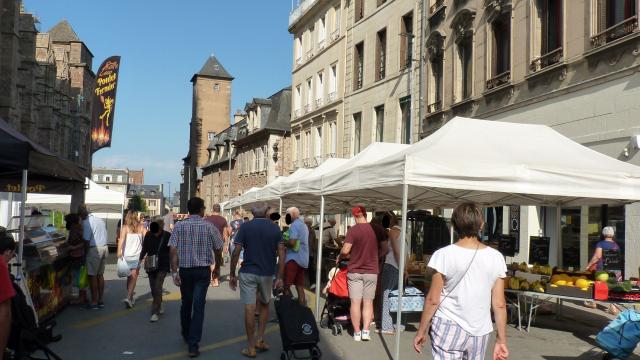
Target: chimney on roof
[[238, 116]]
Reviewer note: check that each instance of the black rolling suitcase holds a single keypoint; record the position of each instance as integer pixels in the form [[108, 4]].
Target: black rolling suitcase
[[298, 329]]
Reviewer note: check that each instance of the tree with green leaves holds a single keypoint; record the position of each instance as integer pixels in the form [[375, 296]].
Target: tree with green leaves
[[137, 203]]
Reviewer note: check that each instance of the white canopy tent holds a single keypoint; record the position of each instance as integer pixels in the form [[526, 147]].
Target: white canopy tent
[[103, 203], [238, 201], [272, 192], [488, 162]]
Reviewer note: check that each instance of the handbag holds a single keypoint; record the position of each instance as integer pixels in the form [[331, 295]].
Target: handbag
[[151, 262], [122, 266]]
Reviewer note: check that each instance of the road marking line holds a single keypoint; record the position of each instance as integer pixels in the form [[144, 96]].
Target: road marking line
[[174, 296], [214, 346]]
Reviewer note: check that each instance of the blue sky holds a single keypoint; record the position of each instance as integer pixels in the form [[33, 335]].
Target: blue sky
[[162, 44]]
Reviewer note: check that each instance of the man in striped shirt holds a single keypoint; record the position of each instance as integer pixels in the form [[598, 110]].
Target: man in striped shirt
[[194, 243]]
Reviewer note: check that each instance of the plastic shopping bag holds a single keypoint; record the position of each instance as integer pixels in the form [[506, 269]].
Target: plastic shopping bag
[[622, 335], [83, 278], [123, 268]]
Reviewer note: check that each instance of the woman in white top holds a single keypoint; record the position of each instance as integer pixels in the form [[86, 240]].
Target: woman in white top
[[390, 270], [129, 248], [467, 284]]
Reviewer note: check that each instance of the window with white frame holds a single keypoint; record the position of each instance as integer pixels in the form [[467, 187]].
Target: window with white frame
[[547, 23], [379, 121], [357, 132], [308, 151], [336, 21], [107, 178], [297, 97], [309, 94], [259, 159], [318, 141], [119, 178], [265, 157], [298, 49], [333, 80], [319, 87], [298, 153], [322, 28], [95, 178], [334, 138]]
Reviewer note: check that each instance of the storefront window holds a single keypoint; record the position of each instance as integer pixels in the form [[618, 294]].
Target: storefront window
[[570, 224], [601, 216]]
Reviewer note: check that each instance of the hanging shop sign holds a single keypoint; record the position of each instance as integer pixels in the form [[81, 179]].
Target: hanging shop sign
[[104, 103]]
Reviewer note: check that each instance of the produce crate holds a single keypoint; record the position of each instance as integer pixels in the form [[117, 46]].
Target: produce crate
[[529, 276], [570, 291]]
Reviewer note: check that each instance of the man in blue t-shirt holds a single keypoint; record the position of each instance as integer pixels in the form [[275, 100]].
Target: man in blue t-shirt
[[261, 241], [297, 257]]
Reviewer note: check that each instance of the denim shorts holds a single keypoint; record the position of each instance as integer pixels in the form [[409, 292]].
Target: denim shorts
[[133, 264]]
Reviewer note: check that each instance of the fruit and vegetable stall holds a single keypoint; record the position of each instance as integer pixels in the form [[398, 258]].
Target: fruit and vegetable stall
[[528, 286]]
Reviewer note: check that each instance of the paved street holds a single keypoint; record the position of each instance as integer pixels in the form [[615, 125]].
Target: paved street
[[117, 333]]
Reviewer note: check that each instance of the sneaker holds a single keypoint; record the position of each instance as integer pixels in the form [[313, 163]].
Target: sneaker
[[101, 305], [133, 302], [92, 307], [357, 336], [312, 287], [365, 335], [127, 303], [154, 318], [161, 311]]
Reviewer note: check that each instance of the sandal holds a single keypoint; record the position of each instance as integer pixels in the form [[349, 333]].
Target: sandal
[[248, 353], [262, 346]]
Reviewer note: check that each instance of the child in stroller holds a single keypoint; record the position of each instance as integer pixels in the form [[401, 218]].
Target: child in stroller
[[335, 314]]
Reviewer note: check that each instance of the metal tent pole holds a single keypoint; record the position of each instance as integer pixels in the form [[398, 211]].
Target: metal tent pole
[[319, 259], [23, 204], [401, 265]]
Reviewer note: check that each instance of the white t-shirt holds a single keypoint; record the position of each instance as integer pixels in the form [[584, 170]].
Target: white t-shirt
[[132, 247], [469, 303]]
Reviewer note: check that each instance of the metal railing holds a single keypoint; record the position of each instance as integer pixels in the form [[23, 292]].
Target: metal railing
[[319, 102], [335, 34], [433, 107], [298, 112], [550, 58], [299, 61], [309, 54], [435, 6], [499, 80], [333, 96], [615, 32], [308, 108], [302, 9], [321, 44]]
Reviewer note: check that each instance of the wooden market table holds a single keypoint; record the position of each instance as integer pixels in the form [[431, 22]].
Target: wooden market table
[[529, 301]]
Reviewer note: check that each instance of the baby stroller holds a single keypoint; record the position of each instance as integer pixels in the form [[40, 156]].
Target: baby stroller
[[621, 336], [335, 314], [27, 335]]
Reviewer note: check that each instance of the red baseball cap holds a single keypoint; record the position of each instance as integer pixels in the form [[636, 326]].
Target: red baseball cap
[[358, 211]]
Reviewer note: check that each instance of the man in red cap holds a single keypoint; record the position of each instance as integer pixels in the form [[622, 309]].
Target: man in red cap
[[361, 243]]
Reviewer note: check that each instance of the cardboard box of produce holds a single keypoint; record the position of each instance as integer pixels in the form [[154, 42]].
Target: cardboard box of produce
[[530, 277], [570, 291]]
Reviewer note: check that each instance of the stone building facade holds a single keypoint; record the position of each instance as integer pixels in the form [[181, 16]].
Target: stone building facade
[[258, 143], [211, 111], [152, 196], [570, 65], [46, 84], [356, 76]]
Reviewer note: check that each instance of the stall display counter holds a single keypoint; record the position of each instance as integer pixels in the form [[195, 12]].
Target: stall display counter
[[45, 264]]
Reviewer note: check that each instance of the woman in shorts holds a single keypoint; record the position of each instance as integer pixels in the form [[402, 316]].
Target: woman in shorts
[[129, 248]]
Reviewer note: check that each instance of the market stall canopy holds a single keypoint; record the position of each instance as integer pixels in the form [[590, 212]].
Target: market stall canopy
[[491, 163], [248, 196], [304, 193], [308, 190], [272, 191], [94, 195], [47, 172]]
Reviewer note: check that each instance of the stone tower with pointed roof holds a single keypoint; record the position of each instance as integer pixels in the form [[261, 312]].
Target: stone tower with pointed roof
[[211, 114]]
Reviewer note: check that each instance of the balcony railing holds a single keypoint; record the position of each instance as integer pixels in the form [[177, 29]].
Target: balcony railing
[[319, 102], [321, 44], [306, 162], [298, 112], [335, 34], [333, 96], [318, 160], [299, 61], [436, 106], [329, 155], [615, 32], [308, 108], [435, 6], [302, 9], [547, 59], [499, 80], [309, 54]]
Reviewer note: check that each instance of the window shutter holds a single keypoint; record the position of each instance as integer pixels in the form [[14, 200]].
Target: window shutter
[[602, 16]]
